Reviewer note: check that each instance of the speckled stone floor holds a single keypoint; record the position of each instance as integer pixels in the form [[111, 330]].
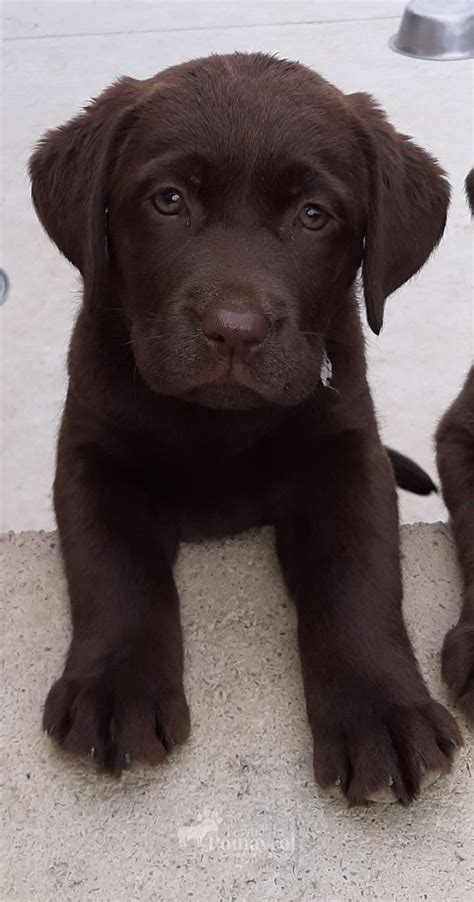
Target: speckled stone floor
[[234, 814]]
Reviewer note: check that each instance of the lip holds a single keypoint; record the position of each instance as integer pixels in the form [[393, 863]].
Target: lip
[[224, 394], [226, 377]]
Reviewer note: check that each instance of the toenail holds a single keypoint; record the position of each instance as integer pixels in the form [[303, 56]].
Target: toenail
[[92, 753], [390, 781], [127, 759], [338, 782]]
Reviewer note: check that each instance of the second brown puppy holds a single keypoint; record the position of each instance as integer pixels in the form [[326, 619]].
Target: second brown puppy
[[455, 452]]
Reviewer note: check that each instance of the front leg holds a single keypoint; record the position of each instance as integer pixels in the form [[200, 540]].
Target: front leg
[[377, 732], [121, 696]]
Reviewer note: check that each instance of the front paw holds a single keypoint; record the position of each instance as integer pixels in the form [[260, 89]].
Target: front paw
[[117, 711], [376, 749], [458, 664]]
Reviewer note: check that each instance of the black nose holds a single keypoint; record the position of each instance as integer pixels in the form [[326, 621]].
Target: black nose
[[233, 329]]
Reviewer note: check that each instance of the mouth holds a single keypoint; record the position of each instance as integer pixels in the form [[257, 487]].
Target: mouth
[[230, 388], [235, 388], [233, 385]]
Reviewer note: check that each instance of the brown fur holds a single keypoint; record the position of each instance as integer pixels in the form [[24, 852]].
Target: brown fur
[[455, 451], [196, 406]]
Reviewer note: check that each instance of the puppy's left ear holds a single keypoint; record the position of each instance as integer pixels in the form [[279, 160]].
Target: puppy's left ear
[[407, 205]]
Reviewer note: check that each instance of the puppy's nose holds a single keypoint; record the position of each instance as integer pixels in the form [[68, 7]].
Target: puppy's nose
[[234, 329]]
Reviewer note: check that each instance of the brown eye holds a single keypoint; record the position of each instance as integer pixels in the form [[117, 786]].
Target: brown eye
[[313, 217], [170, 202]]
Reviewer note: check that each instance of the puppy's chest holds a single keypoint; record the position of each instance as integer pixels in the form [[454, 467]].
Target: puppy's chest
[[219, 500], [219, 483]]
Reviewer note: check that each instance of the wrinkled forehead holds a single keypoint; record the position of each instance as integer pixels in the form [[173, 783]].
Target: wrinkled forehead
[[284, 132]]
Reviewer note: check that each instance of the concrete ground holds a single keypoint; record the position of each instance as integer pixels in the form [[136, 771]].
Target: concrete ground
[[57, 55], [234, 814]]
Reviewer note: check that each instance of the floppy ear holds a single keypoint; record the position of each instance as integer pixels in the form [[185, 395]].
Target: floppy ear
[[70, 170], [407, 206]]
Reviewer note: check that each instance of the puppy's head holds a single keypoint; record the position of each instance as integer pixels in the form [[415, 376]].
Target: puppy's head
[[226, 206]]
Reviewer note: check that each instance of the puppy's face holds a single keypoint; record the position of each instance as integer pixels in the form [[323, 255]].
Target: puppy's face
[[234, 227], [238, 193]]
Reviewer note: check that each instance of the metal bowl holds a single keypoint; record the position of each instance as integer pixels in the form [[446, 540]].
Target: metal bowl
[[436, 30]]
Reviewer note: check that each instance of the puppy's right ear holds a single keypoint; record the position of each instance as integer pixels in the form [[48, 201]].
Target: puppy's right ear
[[70, 171]]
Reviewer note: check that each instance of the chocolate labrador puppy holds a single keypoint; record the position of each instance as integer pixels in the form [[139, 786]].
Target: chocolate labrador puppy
[[219, 213], [455, 452]]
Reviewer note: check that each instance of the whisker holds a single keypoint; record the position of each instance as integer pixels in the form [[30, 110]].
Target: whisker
[[152, 317], [270, 352], [328, 336]]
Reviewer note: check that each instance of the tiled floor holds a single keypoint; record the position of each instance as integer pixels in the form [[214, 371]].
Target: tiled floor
[[57, 55]]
